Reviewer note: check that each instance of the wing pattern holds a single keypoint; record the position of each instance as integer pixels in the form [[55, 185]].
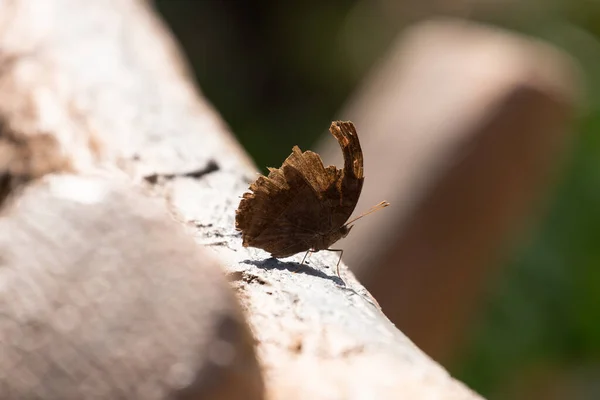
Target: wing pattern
[[285, 212]]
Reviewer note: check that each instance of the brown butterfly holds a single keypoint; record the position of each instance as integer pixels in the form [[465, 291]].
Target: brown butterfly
[[304, 206]]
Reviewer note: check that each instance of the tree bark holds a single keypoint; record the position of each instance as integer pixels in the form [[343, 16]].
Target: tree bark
[[104, 84]]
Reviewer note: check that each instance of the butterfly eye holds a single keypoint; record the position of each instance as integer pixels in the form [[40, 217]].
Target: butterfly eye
[[345, 230]]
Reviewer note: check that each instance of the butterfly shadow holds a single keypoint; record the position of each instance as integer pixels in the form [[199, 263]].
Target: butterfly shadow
[[295, 267]]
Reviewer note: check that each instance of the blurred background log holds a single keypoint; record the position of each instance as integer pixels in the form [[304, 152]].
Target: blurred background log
[[463, 127], [93, 269], [105, 296]]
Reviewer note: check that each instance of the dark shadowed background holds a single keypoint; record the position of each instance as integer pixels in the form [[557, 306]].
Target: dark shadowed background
[[279, 72]]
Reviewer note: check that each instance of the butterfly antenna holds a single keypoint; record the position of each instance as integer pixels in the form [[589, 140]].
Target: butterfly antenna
[[377, 207]]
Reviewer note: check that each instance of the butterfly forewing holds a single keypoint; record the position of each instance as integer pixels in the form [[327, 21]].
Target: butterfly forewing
[[300, 204]]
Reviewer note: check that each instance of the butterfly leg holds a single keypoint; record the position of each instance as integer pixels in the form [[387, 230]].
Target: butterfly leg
[[337, 267], [303, 259], [339, 260]]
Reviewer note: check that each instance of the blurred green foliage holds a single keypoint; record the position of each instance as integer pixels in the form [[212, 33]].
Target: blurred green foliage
[[279, 72]]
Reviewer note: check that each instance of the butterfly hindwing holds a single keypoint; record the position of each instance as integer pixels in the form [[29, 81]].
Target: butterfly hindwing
[[302, 202]]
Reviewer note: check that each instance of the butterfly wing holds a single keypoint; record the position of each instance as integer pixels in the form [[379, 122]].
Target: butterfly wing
[[337, 190], [342, 198], [299, 204], [285, 211]]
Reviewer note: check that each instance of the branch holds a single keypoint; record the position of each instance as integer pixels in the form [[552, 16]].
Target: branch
[[106, 82]]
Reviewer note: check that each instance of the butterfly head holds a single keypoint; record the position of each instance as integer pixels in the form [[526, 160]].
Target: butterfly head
[[345, 230], [324, 241]]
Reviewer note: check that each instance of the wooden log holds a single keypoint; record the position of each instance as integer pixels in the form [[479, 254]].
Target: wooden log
[[106, 82], [104, 296]]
